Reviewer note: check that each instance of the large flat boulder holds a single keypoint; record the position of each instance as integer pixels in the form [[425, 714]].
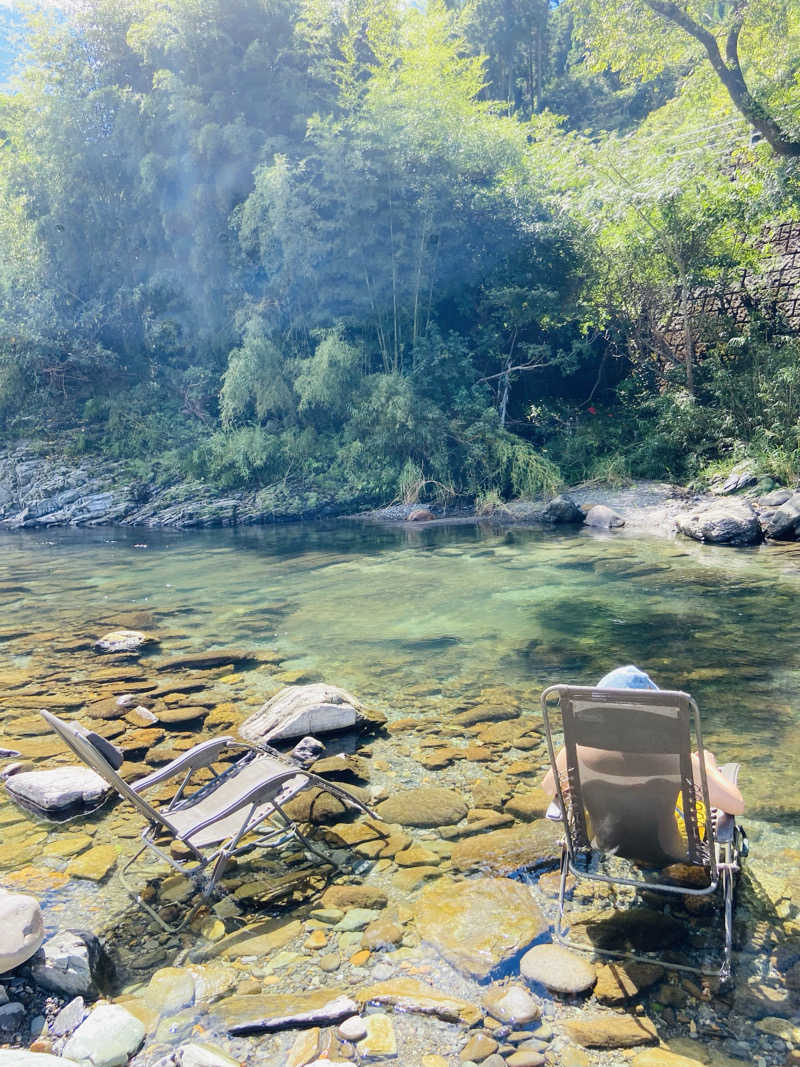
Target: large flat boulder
[[58, 789], [730, 522], [21, 929], [427, 806], [507, 850], [477, 925], [299, 710]]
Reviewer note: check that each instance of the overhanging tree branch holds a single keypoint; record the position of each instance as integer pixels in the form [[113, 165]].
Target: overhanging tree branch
[[729, 72]]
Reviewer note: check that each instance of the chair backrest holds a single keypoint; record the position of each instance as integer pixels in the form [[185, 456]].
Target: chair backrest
[[629, 785], [88, 753]]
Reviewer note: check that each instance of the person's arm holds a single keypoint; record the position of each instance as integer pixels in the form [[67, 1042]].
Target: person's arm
[[722, 793], [548, 783]]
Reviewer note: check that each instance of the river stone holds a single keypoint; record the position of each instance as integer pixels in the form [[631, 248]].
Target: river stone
[[604, 518], [108, 1038], [181, 714], [353, 896], [169, 990], [561, 510], [721, 523], [662, 1057], [379, 1041], [194, 1055], [477, 1048], [478, 924], [618, 982], [486, 713], [62, 787], [122, 641], [307, 709], [321, 1007], [260, 939], [21, 929], [94, 864], [69, 963], [558, 969], [784, 523], [19, 1058], [511, 1004], [70, 1017], [611, 1031], [419, 998], [507, 850], [427, 806]]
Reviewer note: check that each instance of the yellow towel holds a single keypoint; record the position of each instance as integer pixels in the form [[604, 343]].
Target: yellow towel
[[700, 808]]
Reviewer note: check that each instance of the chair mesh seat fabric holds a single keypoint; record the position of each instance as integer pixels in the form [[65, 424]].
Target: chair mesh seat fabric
[[209, 802]]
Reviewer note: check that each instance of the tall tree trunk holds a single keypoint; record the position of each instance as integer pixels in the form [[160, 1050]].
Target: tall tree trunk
[[729, 72]]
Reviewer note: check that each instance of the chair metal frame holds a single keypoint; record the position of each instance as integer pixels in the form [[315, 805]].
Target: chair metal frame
[[719, 853], [262, 803]]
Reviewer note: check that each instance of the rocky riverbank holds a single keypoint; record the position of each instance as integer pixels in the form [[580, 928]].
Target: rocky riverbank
[[38, 491]]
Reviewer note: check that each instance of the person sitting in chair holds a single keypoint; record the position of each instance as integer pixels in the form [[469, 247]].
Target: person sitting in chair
[[723, 794]]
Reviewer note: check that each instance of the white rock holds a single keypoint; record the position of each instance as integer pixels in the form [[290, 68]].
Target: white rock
[[193, 1055], [21, 929], [64, 965], [108, 1038], [122, 641], [59, 788], [303, 709], [353, 1029]]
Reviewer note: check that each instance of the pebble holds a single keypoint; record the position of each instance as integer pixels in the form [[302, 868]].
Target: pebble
[[352, 1029], [558, 969]]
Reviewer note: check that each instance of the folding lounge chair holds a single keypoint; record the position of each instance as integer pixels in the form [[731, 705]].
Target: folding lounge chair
[[239, 809], [644, 804]]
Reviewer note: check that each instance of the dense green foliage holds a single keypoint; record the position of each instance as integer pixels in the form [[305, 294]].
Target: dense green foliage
[[362, 251]]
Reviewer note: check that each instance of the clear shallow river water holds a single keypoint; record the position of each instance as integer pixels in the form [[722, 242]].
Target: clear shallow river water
[[418, 621]]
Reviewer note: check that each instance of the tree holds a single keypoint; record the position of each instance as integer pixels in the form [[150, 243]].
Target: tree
[[642, 37]]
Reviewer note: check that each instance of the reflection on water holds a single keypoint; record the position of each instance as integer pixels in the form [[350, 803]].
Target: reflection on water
[[380, 610], [418, 621]]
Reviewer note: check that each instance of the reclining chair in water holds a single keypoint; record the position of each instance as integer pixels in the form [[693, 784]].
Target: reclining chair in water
[[239, 809], [637, 798]]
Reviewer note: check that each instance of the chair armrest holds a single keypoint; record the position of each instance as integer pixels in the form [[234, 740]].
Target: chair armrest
[[202, 755]]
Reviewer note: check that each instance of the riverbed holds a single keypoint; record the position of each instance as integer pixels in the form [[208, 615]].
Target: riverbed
[[419, 624]]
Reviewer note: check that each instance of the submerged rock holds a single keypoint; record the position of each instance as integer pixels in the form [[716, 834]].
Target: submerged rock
[[21, 929], [478, 924], [558, 969], [285, 1012], [419, 998], [307, 709], [122, 641], [611, 1031], [427, 806], [507, 850]]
